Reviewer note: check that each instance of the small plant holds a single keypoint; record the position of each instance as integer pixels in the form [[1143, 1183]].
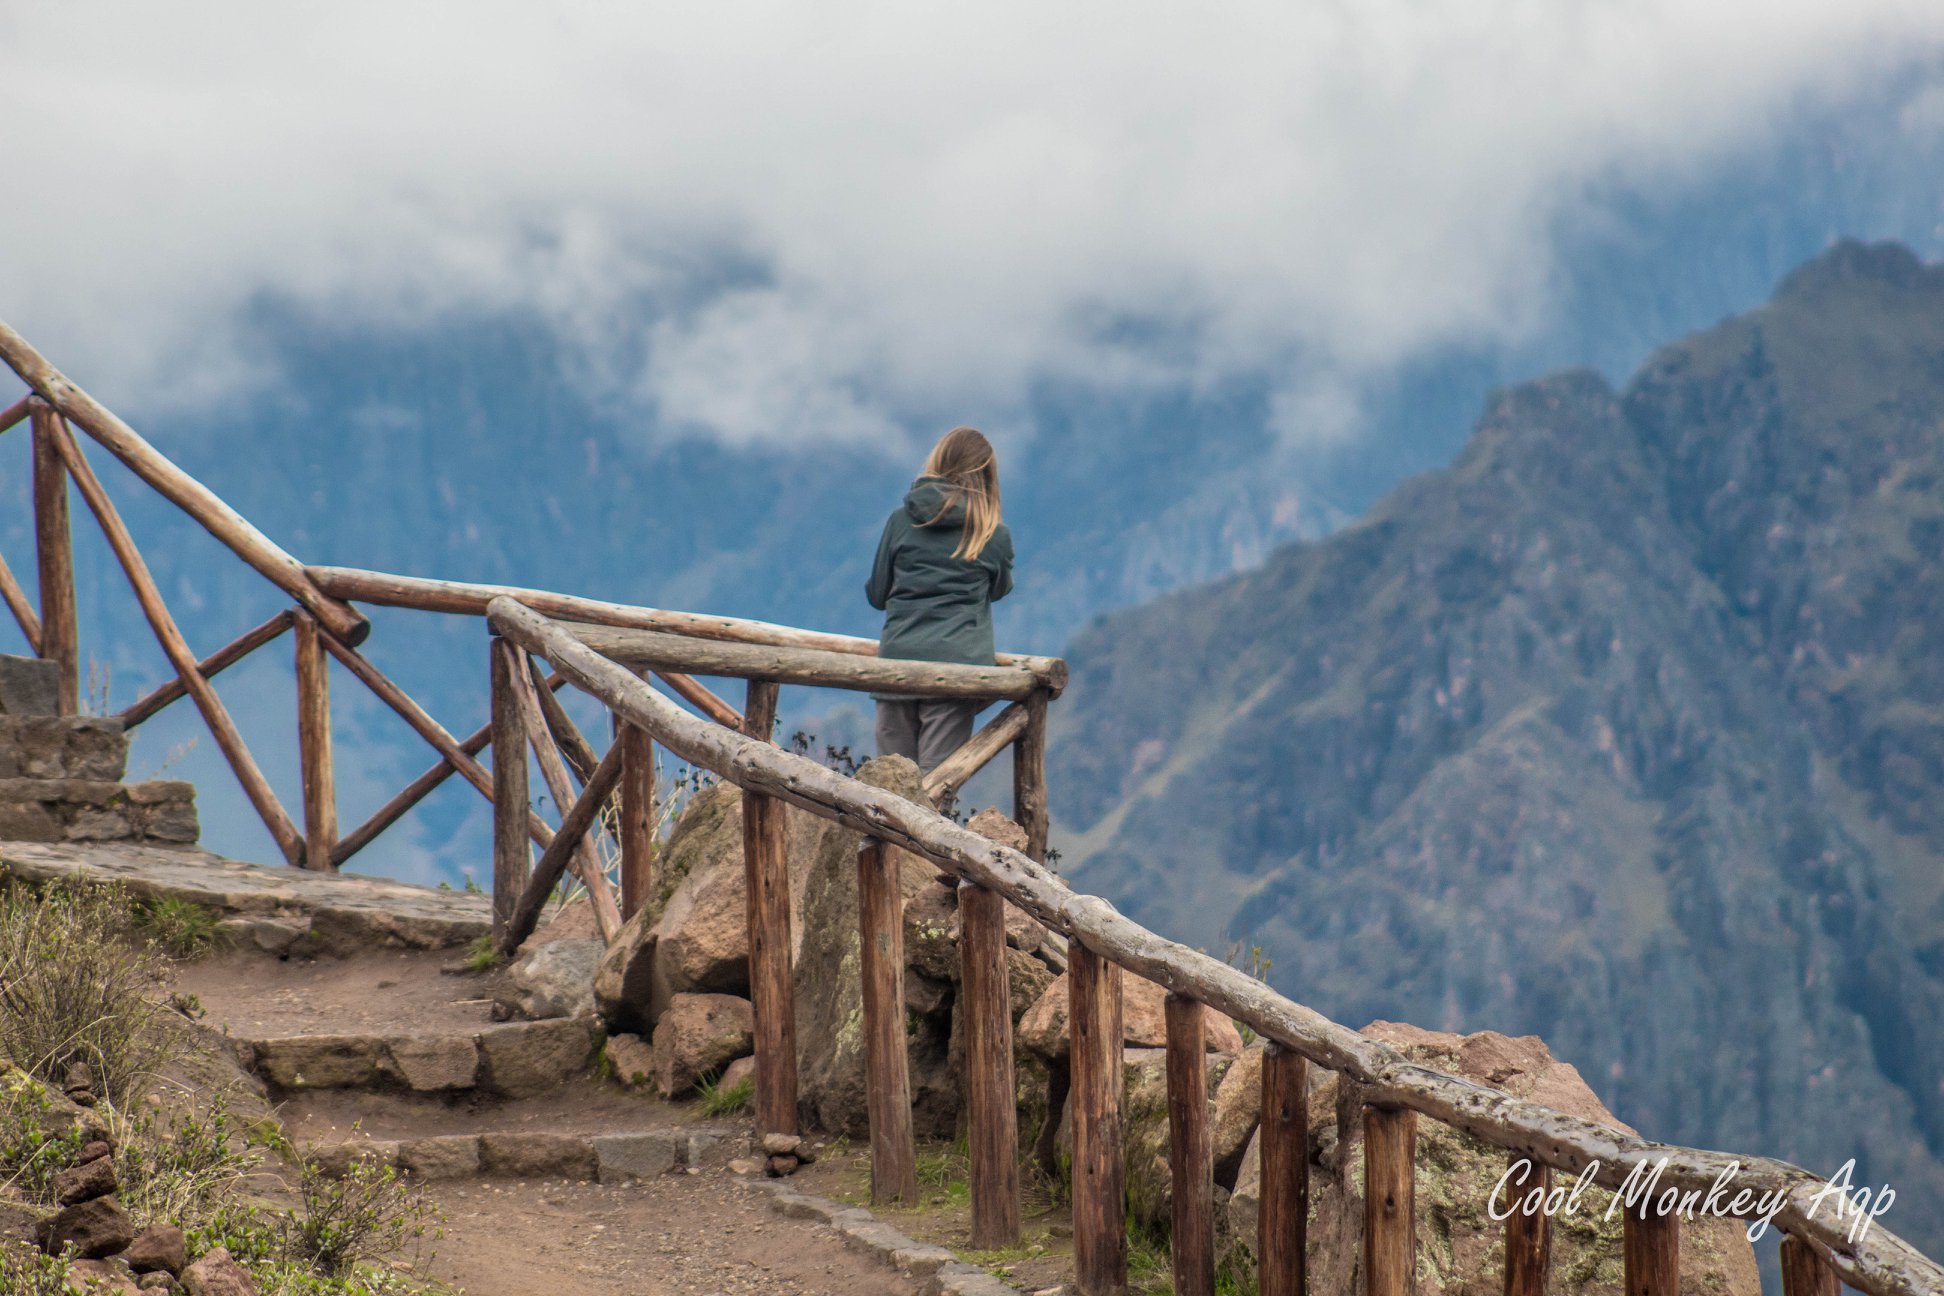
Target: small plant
[[366, 1214], [33, 1148], [186, 1170], [482, 955], [24, 1271], [175, 754], [76, 992], [944, 1174], [718, 1099], [100, 677], [183, 929]]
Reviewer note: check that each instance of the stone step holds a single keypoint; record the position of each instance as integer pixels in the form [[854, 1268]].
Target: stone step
[[29, 686], [614, 1157], [336, 911], [513, 1060], [97, 810], [62, 747]]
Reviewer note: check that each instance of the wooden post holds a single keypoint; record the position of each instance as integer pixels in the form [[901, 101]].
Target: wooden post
[[1029, 777], [512, 857], [1390, 1201], [60, 637], [639, 817], [553, 772], [22, 608], [1099, 1184], [217, 717], [1528, 1238], [1190, 1153], [1651, 1246], [1805, 1272], [992, 1114], [766, 870], [887, 1069], [314, 745], [1282, 1221], [547, 873]]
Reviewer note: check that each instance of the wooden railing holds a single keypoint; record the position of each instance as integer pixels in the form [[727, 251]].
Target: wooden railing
[[1390, 1093], [609, 651]]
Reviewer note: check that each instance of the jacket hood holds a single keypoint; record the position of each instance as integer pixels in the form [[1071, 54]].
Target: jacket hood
[[924, 500]]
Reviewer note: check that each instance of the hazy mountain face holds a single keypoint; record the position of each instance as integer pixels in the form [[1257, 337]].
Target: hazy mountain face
[[1626, 729]]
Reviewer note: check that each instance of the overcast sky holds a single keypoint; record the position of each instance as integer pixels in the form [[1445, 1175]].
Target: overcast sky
[[767, 221]]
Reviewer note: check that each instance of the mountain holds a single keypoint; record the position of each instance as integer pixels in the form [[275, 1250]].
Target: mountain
[[1626, 729]]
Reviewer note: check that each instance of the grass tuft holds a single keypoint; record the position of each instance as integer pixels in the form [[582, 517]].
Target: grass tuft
[[716, 1099]]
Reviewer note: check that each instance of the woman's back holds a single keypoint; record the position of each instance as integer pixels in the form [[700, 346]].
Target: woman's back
[[937, 605]]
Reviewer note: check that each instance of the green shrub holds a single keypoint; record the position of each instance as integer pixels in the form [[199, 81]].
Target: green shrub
[[182, 928], [481, 955], [74, 990], [366, 1214], [24, 1271], [33, 1146], [185, 1171], [718, 1099]]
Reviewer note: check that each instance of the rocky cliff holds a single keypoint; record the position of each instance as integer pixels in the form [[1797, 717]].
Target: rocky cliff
[[1626, 730]]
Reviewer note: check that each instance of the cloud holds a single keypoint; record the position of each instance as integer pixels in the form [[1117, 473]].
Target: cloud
[[778, 222]]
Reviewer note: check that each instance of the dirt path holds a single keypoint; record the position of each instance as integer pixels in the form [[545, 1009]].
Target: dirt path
[[683, 1235]]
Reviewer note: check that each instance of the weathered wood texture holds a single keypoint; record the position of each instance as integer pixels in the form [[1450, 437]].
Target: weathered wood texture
[[60, 635], [1282, 1218], [512, 856], [640, 817], [315, 761], [1390, 1201], [553, 772], [21, 606], [574, 827], [215, 716], [766, 877], [698, 696], [1528, 1237], [209, 667], [415, 791], [390, 590], [573, 744], [812, 666], [992, 1119], [887, 1069], [1806, 1273], [1190, 1153], [1029, 778], [1099, 1180], [1651, 1245], [177, 486], [978, 751], [15, 412], [1880, 1263]]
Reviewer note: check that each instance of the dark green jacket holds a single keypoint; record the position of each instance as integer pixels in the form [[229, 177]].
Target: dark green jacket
[[937, 607]]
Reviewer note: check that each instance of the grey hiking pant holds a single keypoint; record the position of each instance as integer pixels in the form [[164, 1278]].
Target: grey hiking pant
[[925, 729]]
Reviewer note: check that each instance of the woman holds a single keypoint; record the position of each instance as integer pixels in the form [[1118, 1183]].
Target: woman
[[944, 557]]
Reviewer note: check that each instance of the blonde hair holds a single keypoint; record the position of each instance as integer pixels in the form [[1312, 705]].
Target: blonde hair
[[965, 461]]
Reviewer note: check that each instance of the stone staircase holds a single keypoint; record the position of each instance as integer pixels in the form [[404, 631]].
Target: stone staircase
[[61, 776]]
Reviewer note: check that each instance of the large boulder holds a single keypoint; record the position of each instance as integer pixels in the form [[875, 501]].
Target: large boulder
[[829, 982], [95, 1228], [1043, 1028], [555, 979], [690, 934], [698, 1036], [1460, 1247], [1238, 1111]]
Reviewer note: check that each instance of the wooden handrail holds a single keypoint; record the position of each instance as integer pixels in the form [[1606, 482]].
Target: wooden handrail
[[815, 667], [1000, 733], [554, 860], [177, 486], [14, 413], [21, 606], [387, 589], [1880, 1262]]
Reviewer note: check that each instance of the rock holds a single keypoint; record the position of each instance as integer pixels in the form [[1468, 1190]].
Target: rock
[[93, 1151], [277, 934], [158, 1282], [689, 936], [528, 1058], [336, 1159], [829, 973], [779, 1166], [781, 1144], [743, 1068], [98, 1277], [29, 686], [85, 1182], [745, 1166], [94, 1229], [1238, 1110], [697, 1036], [537, 1156], [633, 1060], [555, 980], [621, 1157], [1043, 1028], [1459, 1246], [216, 1274], [158, 1247], [446, 1156], [432, 1063], [321, 1061], [21, 1222]]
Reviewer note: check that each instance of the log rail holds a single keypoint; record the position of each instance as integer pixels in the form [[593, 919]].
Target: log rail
[[1394, 1092]]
